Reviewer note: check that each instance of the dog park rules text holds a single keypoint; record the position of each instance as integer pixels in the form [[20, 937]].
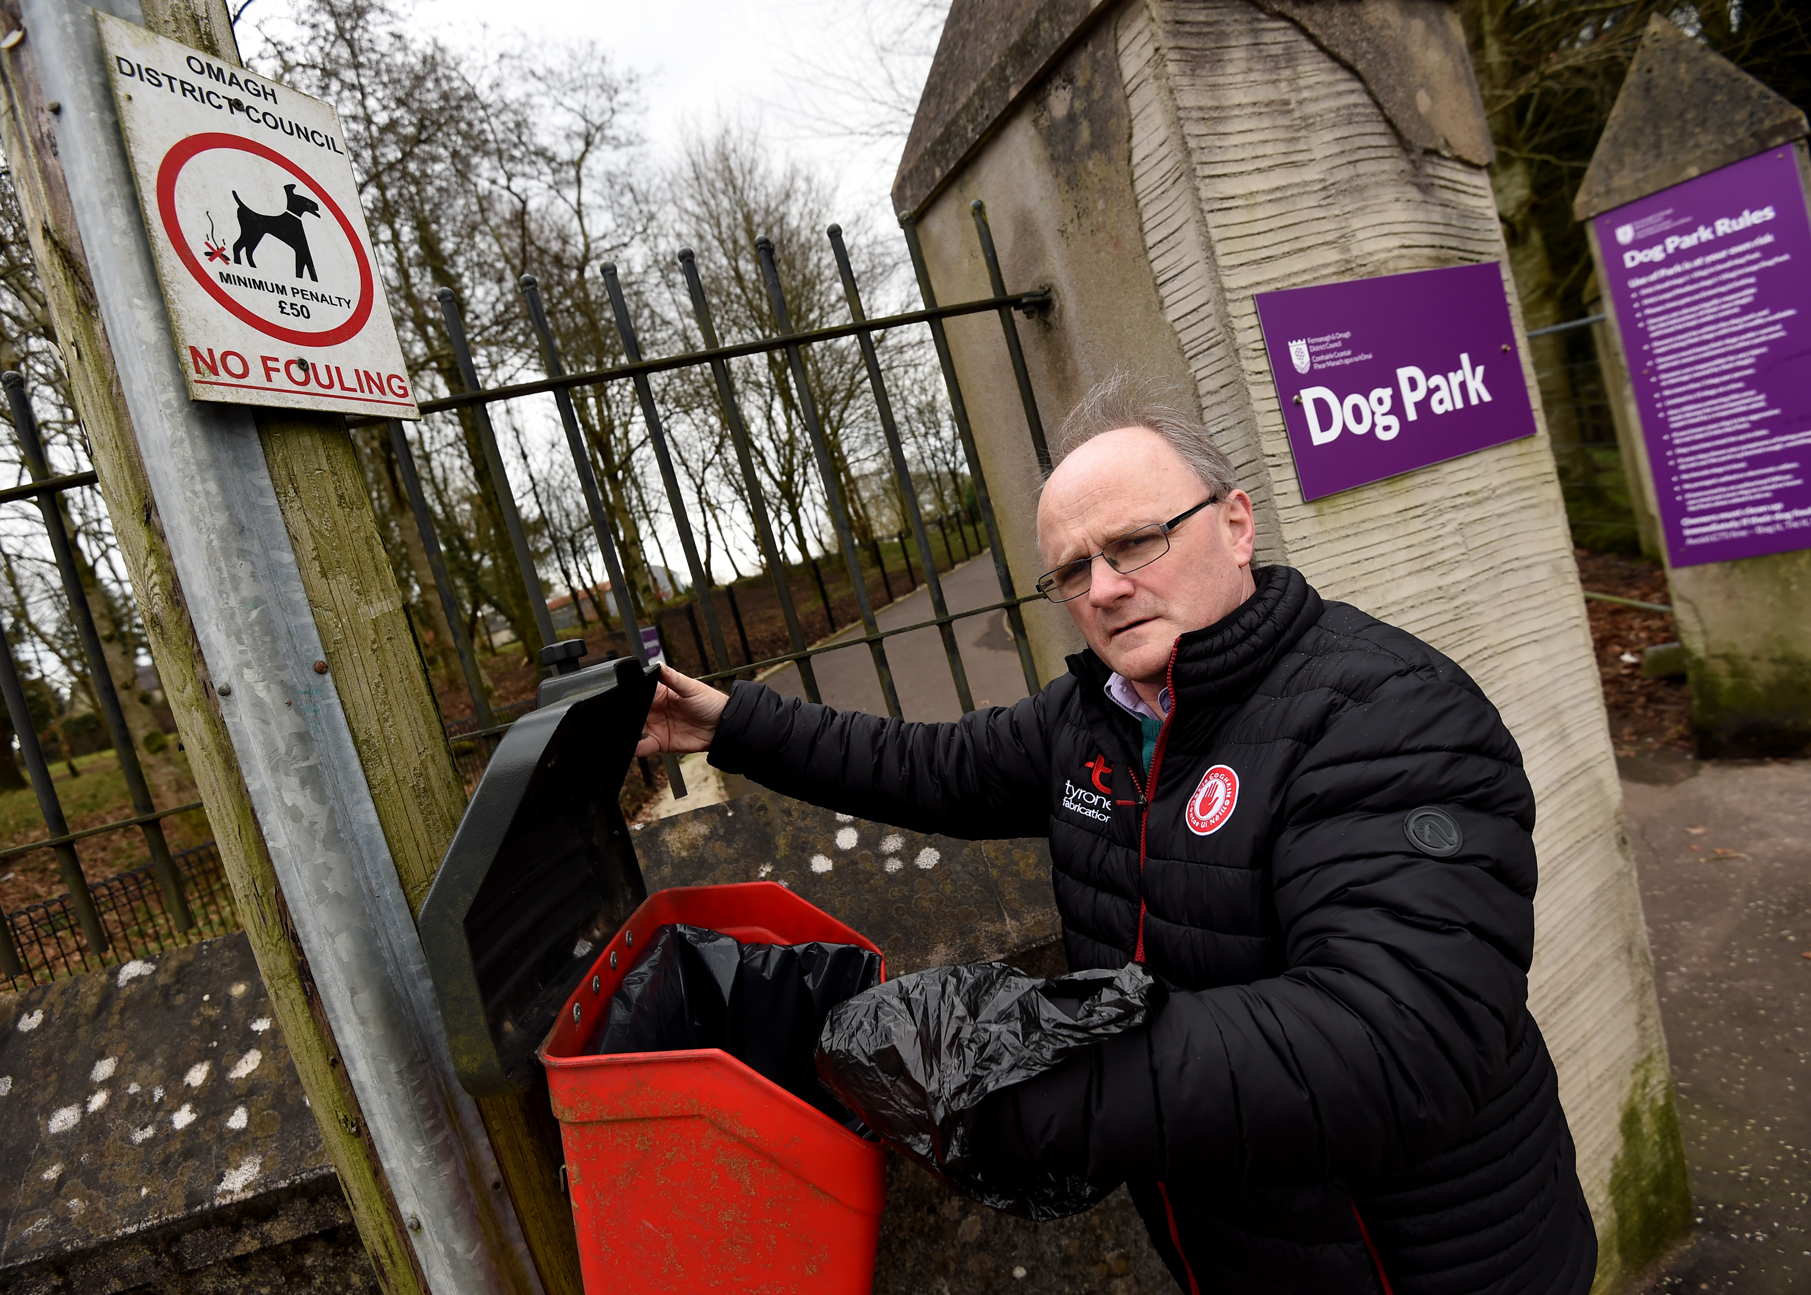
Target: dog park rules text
[[254, 220]]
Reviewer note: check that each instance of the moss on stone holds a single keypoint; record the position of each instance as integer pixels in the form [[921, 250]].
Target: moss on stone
[[1649, 1198], [1743, 707]]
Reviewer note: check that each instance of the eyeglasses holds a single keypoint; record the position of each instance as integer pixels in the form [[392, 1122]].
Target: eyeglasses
[[1126, 554]]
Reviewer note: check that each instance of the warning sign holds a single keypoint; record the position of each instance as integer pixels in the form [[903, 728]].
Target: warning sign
[[254, 220]]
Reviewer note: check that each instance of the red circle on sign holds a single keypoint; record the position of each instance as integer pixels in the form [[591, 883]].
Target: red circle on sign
[[1213, 801], [180, 156]]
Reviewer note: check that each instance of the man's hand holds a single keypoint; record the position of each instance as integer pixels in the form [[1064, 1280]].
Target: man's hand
[[683, 717]]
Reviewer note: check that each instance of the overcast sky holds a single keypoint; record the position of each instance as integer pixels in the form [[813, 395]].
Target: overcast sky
[[790, 65]]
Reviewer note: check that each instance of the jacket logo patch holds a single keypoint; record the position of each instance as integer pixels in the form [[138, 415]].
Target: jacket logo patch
[[1100, 770], [1089, 804], [1213, 801]]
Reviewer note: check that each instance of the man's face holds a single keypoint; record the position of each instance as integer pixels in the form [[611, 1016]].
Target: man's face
[[1111, 486]]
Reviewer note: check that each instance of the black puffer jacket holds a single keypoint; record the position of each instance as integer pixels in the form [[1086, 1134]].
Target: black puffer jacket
[[1348, 1082]]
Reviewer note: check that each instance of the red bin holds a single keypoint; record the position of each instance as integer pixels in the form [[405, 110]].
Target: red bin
[[687, 1170]]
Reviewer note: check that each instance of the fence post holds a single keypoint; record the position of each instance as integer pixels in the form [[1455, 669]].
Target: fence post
[[880, 565], [31, 445], [38, 770], [299, 796], [691, 619], [735, 611], [823, 593]]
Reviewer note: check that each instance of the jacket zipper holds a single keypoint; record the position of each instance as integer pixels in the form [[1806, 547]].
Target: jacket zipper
[[1194, 1287], [1145, 793], [1363, 1231]]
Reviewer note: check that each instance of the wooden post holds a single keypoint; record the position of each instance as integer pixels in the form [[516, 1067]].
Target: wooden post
[[69, 289], [415, 785], [403, 772]]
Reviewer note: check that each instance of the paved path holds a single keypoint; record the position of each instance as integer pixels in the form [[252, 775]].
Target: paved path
[[921, 672], [1724, 853]]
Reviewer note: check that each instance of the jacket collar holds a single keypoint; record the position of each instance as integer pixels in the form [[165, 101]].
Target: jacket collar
[[1220, 665]]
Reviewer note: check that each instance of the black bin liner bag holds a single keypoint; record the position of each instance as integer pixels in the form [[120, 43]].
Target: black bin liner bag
[[764, 1004], [915, 1058]]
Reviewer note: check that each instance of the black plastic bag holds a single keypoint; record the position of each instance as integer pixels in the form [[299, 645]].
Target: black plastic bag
[[764, 1004], [916, 1057]]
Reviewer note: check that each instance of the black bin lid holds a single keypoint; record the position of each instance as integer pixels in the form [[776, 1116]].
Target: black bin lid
[[540, 872]]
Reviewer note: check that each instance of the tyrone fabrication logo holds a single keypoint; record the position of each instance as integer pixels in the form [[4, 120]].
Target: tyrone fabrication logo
[[1298, 356], [1625, 234], [1095, 804]]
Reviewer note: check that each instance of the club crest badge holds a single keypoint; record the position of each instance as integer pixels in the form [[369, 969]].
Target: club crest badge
[[1298, 356], [1213, 801]]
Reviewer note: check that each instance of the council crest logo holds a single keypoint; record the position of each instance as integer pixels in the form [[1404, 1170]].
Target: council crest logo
[[1213, 802], [1625, 234], [1298, 356]]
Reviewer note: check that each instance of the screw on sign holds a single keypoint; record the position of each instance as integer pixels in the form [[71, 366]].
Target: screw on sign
[[253, 217]]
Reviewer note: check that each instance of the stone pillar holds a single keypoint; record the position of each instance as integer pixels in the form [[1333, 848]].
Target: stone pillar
[[1157, 164], [1746, 624]]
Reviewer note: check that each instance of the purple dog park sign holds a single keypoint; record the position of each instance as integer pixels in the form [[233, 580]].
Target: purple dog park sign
[[1379, 377], [1709, 280]]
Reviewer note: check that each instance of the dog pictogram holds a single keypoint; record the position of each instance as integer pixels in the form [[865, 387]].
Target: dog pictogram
[[285, 227]]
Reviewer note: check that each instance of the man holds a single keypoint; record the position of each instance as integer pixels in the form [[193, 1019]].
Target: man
[[1311, 825]]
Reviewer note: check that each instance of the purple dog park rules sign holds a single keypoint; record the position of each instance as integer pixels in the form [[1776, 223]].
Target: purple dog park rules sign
[[1710, 280], [1382, 376]]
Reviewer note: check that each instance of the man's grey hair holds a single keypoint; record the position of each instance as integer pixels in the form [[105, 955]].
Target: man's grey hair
[[1131, 400]]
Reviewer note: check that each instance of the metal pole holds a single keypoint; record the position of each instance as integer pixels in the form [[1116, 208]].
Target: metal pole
[[493, 462], [1010, 328], [691, 616], [735, 611], [960, 411], [594, 500], [39, 772], [31, 445], [902, 470], [738, 435], [443, 582], [823, 593], [839, 515], [644, 392], [880, 565], [581, 462], [906, 557]]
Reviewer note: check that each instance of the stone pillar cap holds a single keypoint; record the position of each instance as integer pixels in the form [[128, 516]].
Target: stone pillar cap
[[1410, 55], [1683, 110]]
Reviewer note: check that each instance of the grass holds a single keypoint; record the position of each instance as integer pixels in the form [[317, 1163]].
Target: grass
[[98, 795], [100, 786]]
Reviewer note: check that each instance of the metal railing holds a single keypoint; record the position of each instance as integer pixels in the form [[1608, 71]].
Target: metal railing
[[45, 489], [50, 936], [473, 739], [1596, 489]]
